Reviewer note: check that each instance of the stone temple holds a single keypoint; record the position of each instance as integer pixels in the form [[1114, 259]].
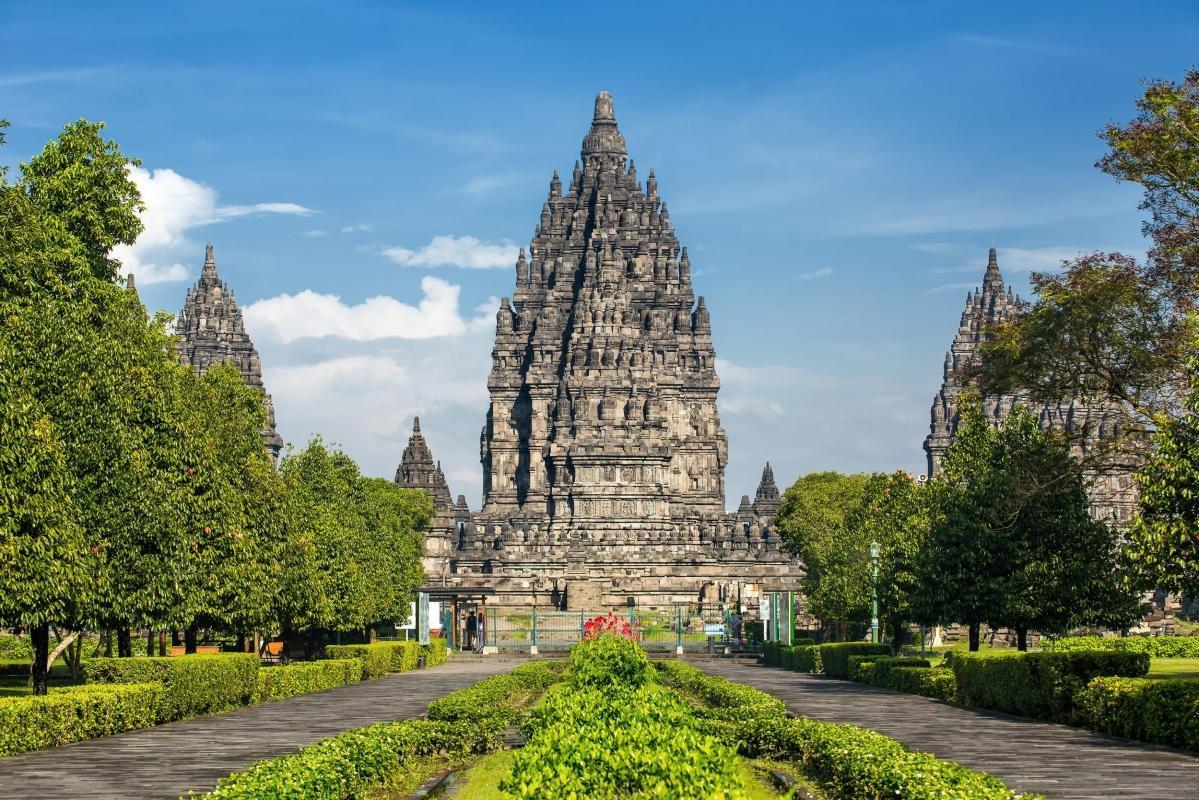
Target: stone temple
[[602, 450], [1113, 493], [211, 331]]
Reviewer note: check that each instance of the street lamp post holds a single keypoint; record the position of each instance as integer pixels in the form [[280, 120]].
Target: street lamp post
[[874, 549]]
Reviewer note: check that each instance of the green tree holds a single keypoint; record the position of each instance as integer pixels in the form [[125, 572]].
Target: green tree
[[396, 521], [1109, 329], [1165, 540], [1011, 541], [811, 520], [893, 513], [233, 505], [83, 181]]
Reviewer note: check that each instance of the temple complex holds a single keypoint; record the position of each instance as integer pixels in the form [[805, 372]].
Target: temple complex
[[1113, 493], [602, 450], [211, 331]]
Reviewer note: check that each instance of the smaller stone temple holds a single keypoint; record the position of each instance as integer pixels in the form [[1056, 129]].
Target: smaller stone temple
[[1113, 493], [211, 331]]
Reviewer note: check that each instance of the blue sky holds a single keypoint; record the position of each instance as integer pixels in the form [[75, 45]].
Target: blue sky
[[838, 177]]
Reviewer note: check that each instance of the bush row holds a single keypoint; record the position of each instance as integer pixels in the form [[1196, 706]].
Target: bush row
[[76, 713], [276, 683], [1154, 646], [1039, 685], [193, 684], [853, 763], [610, 731], [471, 720], [1164, 712], [831, 659], [352, 763], [436, 652]]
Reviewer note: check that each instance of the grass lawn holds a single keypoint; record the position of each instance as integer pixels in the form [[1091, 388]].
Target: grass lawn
[[1174, 668], [12, 686]]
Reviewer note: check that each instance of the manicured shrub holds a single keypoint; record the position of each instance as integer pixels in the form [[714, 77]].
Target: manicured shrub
[[802, 657], [856, 764], [834, 657], [630, 742], [608, 661], [500, 698], [194, 684], [436, 652], [379, 658], [1164, 712], [876, 670], [938, 683], [351, 764], [76, 713], [1039, 685], [1154, 646], [276, 683], [15, 648]]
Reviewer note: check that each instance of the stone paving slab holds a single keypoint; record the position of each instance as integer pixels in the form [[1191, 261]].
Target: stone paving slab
[[1055, 760], [169, 760]]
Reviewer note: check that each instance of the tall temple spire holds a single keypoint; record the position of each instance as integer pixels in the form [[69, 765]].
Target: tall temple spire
[[767, 500], [211, 331], [418, 470], [604, 138]]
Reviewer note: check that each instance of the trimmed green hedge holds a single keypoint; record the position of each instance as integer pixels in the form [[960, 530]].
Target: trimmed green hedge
[[195, 684], [1160, 711], [276, 683], [939, 683], [499, 698], [76, 713], [804, 657], [352, 763], [1155, 646], [436, 652], [1039, 685], [610, 731], [853, 763], [876, 670], [379, 658], [834, 657]]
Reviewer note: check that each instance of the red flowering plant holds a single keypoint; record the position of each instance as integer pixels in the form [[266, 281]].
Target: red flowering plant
[[609, 623]]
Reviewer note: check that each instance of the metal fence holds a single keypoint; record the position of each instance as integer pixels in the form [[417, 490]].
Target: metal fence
[[692, 627]]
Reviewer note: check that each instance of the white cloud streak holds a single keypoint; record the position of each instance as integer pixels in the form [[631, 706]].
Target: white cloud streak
[[174, 205], [823, 272], [456, 251]]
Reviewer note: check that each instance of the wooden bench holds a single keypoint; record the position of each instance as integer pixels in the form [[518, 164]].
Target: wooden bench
[[272, 653]]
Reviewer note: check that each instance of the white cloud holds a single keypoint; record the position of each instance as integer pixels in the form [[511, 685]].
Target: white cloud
[[175, 204], [357, 227], [456, 251], [290, 317], [823, 272], [934, 247], [315, 233]]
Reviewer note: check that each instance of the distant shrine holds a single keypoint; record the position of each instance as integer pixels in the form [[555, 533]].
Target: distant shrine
[[1113, 493], [602, 450]]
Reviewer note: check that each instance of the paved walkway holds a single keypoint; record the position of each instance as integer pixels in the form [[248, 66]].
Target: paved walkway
[[169, 760], [1055, 760]]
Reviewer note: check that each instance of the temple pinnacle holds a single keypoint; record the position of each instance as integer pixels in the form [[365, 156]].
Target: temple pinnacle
[[416, 424], [209, 262], [604, 111]]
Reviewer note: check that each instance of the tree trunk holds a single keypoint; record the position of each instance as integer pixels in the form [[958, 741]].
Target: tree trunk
[[974, 631], [241, 643], [149, 642], [63, 643], [189, 639], [176, 639], [1022, 639], [124, 643], [108, 643], [38, 671], [162, 643]]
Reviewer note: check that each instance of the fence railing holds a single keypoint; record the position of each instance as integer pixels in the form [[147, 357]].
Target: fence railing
[[693, 627]]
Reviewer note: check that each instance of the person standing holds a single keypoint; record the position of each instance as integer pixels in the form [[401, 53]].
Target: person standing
[[472, 630]]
